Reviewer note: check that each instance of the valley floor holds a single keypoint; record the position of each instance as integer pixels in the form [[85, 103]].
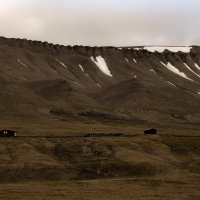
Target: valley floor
[[162, 167], [126, 189]]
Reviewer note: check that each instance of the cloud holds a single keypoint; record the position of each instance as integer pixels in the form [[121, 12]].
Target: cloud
[[118, 23]]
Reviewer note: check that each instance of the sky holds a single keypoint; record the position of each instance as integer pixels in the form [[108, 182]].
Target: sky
[[103, 22]]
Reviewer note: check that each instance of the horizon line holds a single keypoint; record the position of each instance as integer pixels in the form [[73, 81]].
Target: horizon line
[[93, 46]]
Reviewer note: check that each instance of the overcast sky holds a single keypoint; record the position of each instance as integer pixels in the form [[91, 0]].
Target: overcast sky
[[103, 22]]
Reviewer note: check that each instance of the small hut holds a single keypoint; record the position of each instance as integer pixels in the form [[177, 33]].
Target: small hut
[[8, 133], [151, 131]]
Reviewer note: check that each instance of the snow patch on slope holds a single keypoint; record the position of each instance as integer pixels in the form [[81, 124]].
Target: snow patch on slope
[[197, 66], [152, 70], [87, 74], [63, 64], [19, 61], [171, 83], [101, 65], [99, 85], [81, 67], [76, 83], [172, 49], [191, 70], [175, 70], [134, 60]]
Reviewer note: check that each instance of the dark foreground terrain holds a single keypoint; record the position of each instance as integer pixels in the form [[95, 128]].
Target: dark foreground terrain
[[109, 189], [54, 165]]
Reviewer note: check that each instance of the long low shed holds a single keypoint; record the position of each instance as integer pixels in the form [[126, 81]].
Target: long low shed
[[105, 134]]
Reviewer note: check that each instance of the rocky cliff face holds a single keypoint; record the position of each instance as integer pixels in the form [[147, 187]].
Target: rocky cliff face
[[38, 78]]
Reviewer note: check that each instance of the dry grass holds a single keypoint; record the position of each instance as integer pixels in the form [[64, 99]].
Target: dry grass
[[127, 189], [140, 167]]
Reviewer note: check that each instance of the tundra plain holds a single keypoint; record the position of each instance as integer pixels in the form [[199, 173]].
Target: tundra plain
[[58, 162]]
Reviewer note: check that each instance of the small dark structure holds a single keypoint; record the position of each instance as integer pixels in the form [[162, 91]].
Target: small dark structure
[[152, 131], [104, 134], [8, 133]]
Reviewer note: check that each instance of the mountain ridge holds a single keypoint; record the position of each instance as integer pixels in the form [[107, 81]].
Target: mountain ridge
[[130, 82], [23, 41]]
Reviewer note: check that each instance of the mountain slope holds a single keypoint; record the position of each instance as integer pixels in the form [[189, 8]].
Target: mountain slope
[[38, 78]]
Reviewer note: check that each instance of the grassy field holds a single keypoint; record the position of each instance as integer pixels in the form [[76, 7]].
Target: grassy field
[[51, 126], [162, 167], [127, 189]]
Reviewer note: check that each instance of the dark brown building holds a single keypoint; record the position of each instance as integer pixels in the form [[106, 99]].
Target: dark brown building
[[8, 133], [151, 131]]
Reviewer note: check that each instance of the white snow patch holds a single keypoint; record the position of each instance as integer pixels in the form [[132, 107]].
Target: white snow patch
[[191, 70], [175, 70], [99, 85], [152, 70], [21, 63], [198, 92], [172, 49], [120, 48], [102, 65], [135, 76], [81, 67], [134, 60], [171, 83], [63, 64], [87, 74], [76, 83], [127, 60], [197, 66], [137, 48]]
